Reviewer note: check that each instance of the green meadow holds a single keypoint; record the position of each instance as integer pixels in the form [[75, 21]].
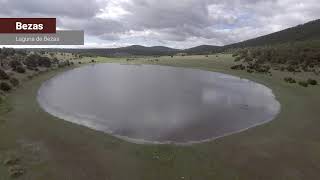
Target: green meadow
[[41, 146]]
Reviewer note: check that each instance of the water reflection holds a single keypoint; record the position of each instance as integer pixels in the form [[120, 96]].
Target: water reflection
[[157, 103]]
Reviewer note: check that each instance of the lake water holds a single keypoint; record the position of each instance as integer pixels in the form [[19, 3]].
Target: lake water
[[157, 104]]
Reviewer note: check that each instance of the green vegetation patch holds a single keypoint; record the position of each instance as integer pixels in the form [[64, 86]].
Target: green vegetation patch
[[312, 82], [4, 86], [303, 83], [289, 80], [286, 148]]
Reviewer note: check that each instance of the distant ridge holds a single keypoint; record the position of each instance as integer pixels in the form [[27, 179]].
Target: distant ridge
[[203, 49], [305, 32], [134, 50]]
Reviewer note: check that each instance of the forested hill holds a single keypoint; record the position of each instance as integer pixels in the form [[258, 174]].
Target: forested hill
[[134, 50], [203, 49], [304, 32], [308, 34]]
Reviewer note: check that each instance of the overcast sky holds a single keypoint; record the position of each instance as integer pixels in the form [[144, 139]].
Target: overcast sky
[[173, 23]]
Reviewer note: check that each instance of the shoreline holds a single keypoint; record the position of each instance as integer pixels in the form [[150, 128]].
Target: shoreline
[[57, 149], [86, 122]]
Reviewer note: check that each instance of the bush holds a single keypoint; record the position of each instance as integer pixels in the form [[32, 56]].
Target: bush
[[14, 81], [303, 83], [20, 69], [262, 68], [289, 80], [3, 74], [250, 71], [80, 62], [237, 59], [32, 60], [4, 86], [62, 64], [30, 76], [312, 82], [238, 67], [248, 59], [14, 64], [44, 62], [291, 68]]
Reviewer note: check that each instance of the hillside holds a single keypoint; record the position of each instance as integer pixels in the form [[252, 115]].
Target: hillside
[[203, 49], [142, 50], [296, 50], [308, 33], [135, 50], [304, 32]]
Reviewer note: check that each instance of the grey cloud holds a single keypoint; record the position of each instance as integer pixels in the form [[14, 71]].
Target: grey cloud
[[93, 26], [70, 8], [167, 13], [180, 22]]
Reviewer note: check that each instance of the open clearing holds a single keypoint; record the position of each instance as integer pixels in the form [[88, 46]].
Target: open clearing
[[286, 148]]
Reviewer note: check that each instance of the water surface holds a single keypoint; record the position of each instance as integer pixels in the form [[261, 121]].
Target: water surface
[[157, 104]]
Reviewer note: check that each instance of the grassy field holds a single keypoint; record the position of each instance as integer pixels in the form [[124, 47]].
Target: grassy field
[[45, 147]]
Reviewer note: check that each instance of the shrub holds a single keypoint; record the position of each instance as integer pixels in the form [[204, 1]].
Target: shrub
[[262, 68], [289, 80], [312, 82], [3, 74], [237, 59], [14, 81], [20, 69], [250, 71], [303, 83], [238, 67], [16, 171], [30, 68], [80, 62], [44, 62], [291, 68], [32, 60], [30, 76], [4, 86], [92, 61], [63, 64], [248, 59], [14, 64]]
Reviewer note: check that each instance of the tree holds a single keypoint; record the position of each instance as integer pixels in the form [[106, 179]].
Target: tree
[[44, 62], [2, 60], [4, 86], [14, 64], [14, 81], [32, 60], [3, 75]]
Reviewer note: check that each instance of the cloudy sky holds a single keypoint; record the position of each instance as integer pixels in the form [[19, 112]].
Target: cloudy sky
[[173, 23]]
